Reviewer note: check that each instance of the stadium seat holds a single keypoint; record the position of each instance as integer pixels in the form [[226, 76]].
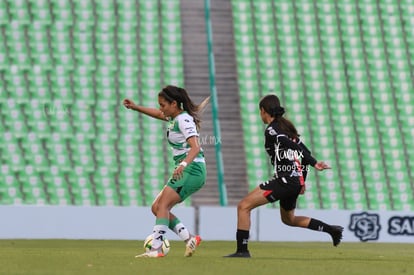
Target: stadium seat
[[9, 190]]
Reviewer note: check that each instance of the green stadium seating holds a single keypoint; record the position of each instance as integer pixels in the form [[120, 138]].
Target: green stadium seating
[[65, 67], [4, 15], [355, 80], [41, 12]]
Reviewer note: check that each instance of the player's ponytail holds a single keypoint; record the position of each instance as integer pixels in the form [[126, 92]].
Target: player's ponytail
[[271, 105], [172, 93]]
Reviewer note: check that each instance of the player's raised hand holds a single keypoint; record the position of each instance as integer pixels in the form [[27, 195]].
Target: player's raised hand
[[128, 103], [321, 166]]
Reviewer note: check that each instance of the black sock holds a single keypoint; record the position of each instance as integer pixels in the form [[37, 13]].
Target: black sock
[[317, 225], [242, 237]]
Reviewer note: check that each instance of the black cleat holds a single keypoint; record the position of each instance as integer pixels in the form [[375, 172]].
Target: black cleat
[[336, 234], [244, 254]]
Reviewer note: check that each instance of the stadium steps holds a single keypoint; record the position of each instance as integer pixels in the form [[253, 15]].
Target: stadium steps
[[229, 103], [197, 83]]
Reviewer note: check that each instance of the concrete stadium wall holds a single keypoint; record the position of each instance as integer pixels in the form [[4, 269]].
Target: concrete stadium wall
[[213, 223]]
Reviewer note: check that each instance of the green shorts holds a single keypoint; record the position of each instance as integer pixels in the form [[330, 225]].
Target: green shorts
[[194, 177]]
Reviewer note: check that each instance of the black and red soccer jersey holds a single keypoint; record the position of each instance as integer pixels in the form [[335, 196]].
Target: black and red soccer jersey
[[289, 158]]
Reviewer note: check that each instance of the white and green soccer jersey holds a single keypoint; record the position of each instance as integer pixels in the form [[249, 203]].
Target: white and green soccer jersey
[[179, 130]]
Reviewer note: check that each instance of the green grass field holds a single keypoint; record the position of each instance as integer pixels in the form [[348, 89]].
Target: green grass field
[[117, 257]]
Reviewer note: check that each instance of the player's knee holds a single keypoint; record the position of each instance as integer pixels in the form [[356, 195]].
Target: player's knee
[[243, 205], [154, 209], [288, 220]]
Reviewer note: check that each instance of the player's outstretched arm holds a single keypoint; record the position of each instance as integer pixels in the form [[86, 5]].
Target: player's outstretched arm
[[152, 112]]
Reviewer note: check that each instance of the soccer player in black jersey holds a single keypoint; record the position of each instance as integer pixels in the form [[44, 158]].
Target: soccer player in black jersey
[[285, 149]]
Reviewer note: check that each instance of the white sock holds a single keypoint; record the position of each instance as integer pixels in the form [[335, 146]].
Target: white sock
[[158, 235], [182, 231]]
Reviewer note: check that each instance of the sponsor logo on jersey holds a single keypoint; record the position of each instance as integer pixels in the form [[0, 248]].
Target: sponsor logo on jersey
[[287, 154]]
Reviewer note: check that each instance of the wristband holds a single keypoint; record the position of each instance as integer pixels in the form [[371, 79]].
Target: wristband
[[183, 164]]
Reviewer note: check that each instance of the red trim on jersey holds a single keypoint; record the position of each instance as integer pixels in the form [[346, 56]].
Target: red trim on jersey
[[267, 193], [299, 166]]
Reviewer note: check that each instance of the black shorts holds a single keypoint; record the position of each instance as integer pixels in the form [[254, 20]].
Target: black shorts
[[285, 190]]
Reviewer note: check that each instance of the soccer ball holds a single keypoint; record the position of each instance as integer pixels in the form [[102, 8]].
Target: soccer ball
[[165, 248]]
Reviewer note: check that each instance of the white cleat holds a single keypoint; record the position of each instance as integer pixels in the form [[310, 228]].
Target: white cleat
[[191, 245]]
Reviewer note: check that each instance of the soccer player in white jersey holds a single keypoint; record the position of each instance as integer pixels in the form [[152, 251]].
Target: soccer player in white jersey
[[189, 174]]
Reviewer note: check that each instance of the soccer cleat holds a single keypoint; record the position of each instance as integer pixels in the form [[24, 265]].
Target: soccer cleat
[[151, 254], [239, 254], [336, 234], [191, 245]]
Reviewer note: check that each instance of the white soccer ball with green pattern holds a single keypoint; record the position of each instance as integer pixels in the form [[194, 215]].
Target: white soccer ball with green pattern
[[165, 248]]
